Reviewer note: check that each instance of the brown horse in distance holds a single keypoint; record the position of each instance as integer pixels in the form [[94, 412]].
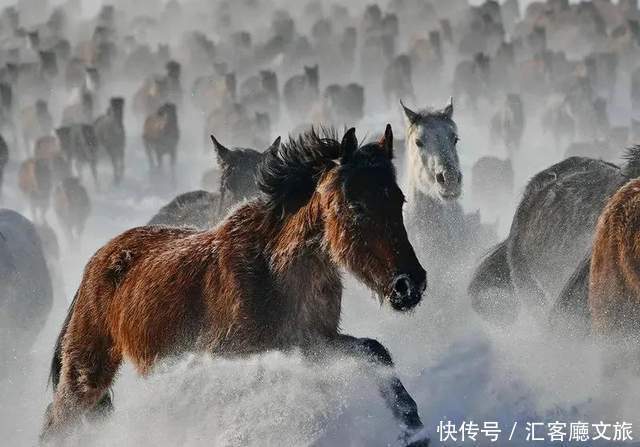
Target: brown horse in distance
[[268, 277]]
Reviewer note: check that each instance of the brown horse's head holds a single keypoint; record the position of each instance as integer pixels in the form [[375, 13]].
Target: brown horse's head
[[363, 221], [354, 191]]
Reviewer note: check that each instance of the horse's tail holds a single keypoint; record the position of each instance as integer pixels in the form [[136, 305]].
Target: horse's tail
[[56, 361], [491, 290]]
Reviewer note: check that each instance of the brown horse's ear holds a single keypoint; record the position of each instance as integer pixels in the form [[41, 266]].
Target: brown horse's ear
[[412, 116], [273, 149], [386, 143], [349, 145], [448, 110], [221, 151]]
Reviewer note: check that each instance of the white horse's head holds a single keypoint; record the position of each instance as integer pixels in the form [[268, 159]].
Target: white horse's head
[[432, 156]]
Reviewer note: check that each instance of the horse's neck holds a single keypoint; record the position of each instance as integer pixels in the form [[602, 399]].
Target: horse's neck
[[305, 275], [421, 206], [433, 225], [425, 208]]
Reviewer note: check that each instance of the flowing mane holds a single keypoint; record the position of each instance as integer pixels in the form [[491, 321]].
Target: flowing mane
[[287, 177]]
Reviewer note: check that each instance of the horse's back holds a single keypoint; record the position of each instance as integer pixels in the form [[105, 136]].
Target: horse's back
[[140, 289], [139, 244], [554, 222], [198, 209]]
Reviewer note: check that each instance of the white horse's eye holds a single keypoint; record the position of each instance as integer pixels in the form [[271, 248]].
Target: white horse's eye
[[419, 143]]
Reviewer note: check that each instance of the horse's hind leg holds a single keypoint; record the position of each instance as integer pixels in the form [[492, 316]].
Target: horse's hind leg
[[94, 173], [88, 367], [397, 398], [172, 156]]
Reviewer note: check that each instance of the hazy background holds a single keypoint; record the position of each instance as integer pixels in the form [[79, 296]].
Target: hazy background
[[456, 366]]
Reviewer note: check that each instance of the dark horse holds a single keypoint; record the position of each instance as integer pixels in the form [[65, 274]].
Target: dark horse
[[26, 293], [203, 209], [546, 254], [266, 278]]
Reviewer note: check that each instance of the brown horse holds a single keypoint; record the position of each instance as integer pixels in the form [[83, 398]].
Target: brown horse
[[614, 278], [266, 278], [161, 135]]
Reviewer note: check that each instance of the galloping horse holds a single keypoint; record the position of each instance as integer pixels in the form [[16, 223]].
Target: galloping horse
[[614, 283], [266, 278]]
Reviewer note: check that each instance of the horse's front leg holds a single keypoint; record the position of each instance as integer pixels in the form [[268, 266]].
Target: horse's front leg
[[397, 398]]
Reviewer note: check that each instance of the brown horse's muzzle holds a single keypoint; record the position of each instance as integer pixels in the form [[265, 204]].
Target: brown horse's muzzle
[[407, 290]]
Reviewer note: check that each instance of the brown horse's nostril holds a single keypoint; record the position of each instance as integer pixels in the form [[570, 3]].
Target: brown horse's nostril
[[440, 178], [402, 285], [407, 290]]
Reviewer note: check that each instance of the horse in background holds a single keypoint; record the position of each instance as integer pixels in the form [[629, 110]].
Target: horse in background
[[266, 278], [26, 292], [508, 124], [438, 226], [204, 209], [160, 136], [541, 264]]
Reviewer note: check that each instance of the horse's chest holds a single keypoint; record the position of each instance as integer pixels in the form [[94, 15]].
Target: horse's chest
[[311, 305]]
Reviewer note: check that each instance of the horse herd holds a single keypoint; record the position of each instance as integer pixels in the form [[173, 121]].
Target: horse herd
[[254, 261], [267, 276]]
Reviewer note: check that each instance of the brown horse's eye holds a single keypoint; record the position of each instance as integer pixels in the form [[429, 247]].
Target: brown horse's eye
[[419, 143]]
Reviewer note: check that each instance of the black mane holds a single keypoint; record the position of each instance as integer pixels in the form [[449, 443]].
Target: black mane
[[288, 178]]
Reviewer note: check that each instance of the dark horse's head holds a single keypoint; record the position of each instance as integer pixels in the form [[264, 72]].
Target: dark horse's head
[[354, 191], [239, 166]]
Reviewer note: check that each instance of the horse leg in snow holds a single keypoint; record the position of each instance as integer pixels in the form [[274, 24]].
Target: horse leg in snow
[[397, 398], [118, 168], [523, 282], [150, 156], [87, 372], [570, 315], [172, 156], [33, 208], [94, 173], [159, 159], [79, 168]]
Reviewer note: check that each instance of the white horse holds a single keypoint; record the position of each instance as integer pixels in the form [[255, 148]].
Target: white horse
[[437, 225]]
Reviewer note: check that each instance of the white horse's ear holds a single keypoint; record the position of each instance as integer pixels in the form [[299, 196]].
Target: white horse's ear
[[448, 110], [412, 116]]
